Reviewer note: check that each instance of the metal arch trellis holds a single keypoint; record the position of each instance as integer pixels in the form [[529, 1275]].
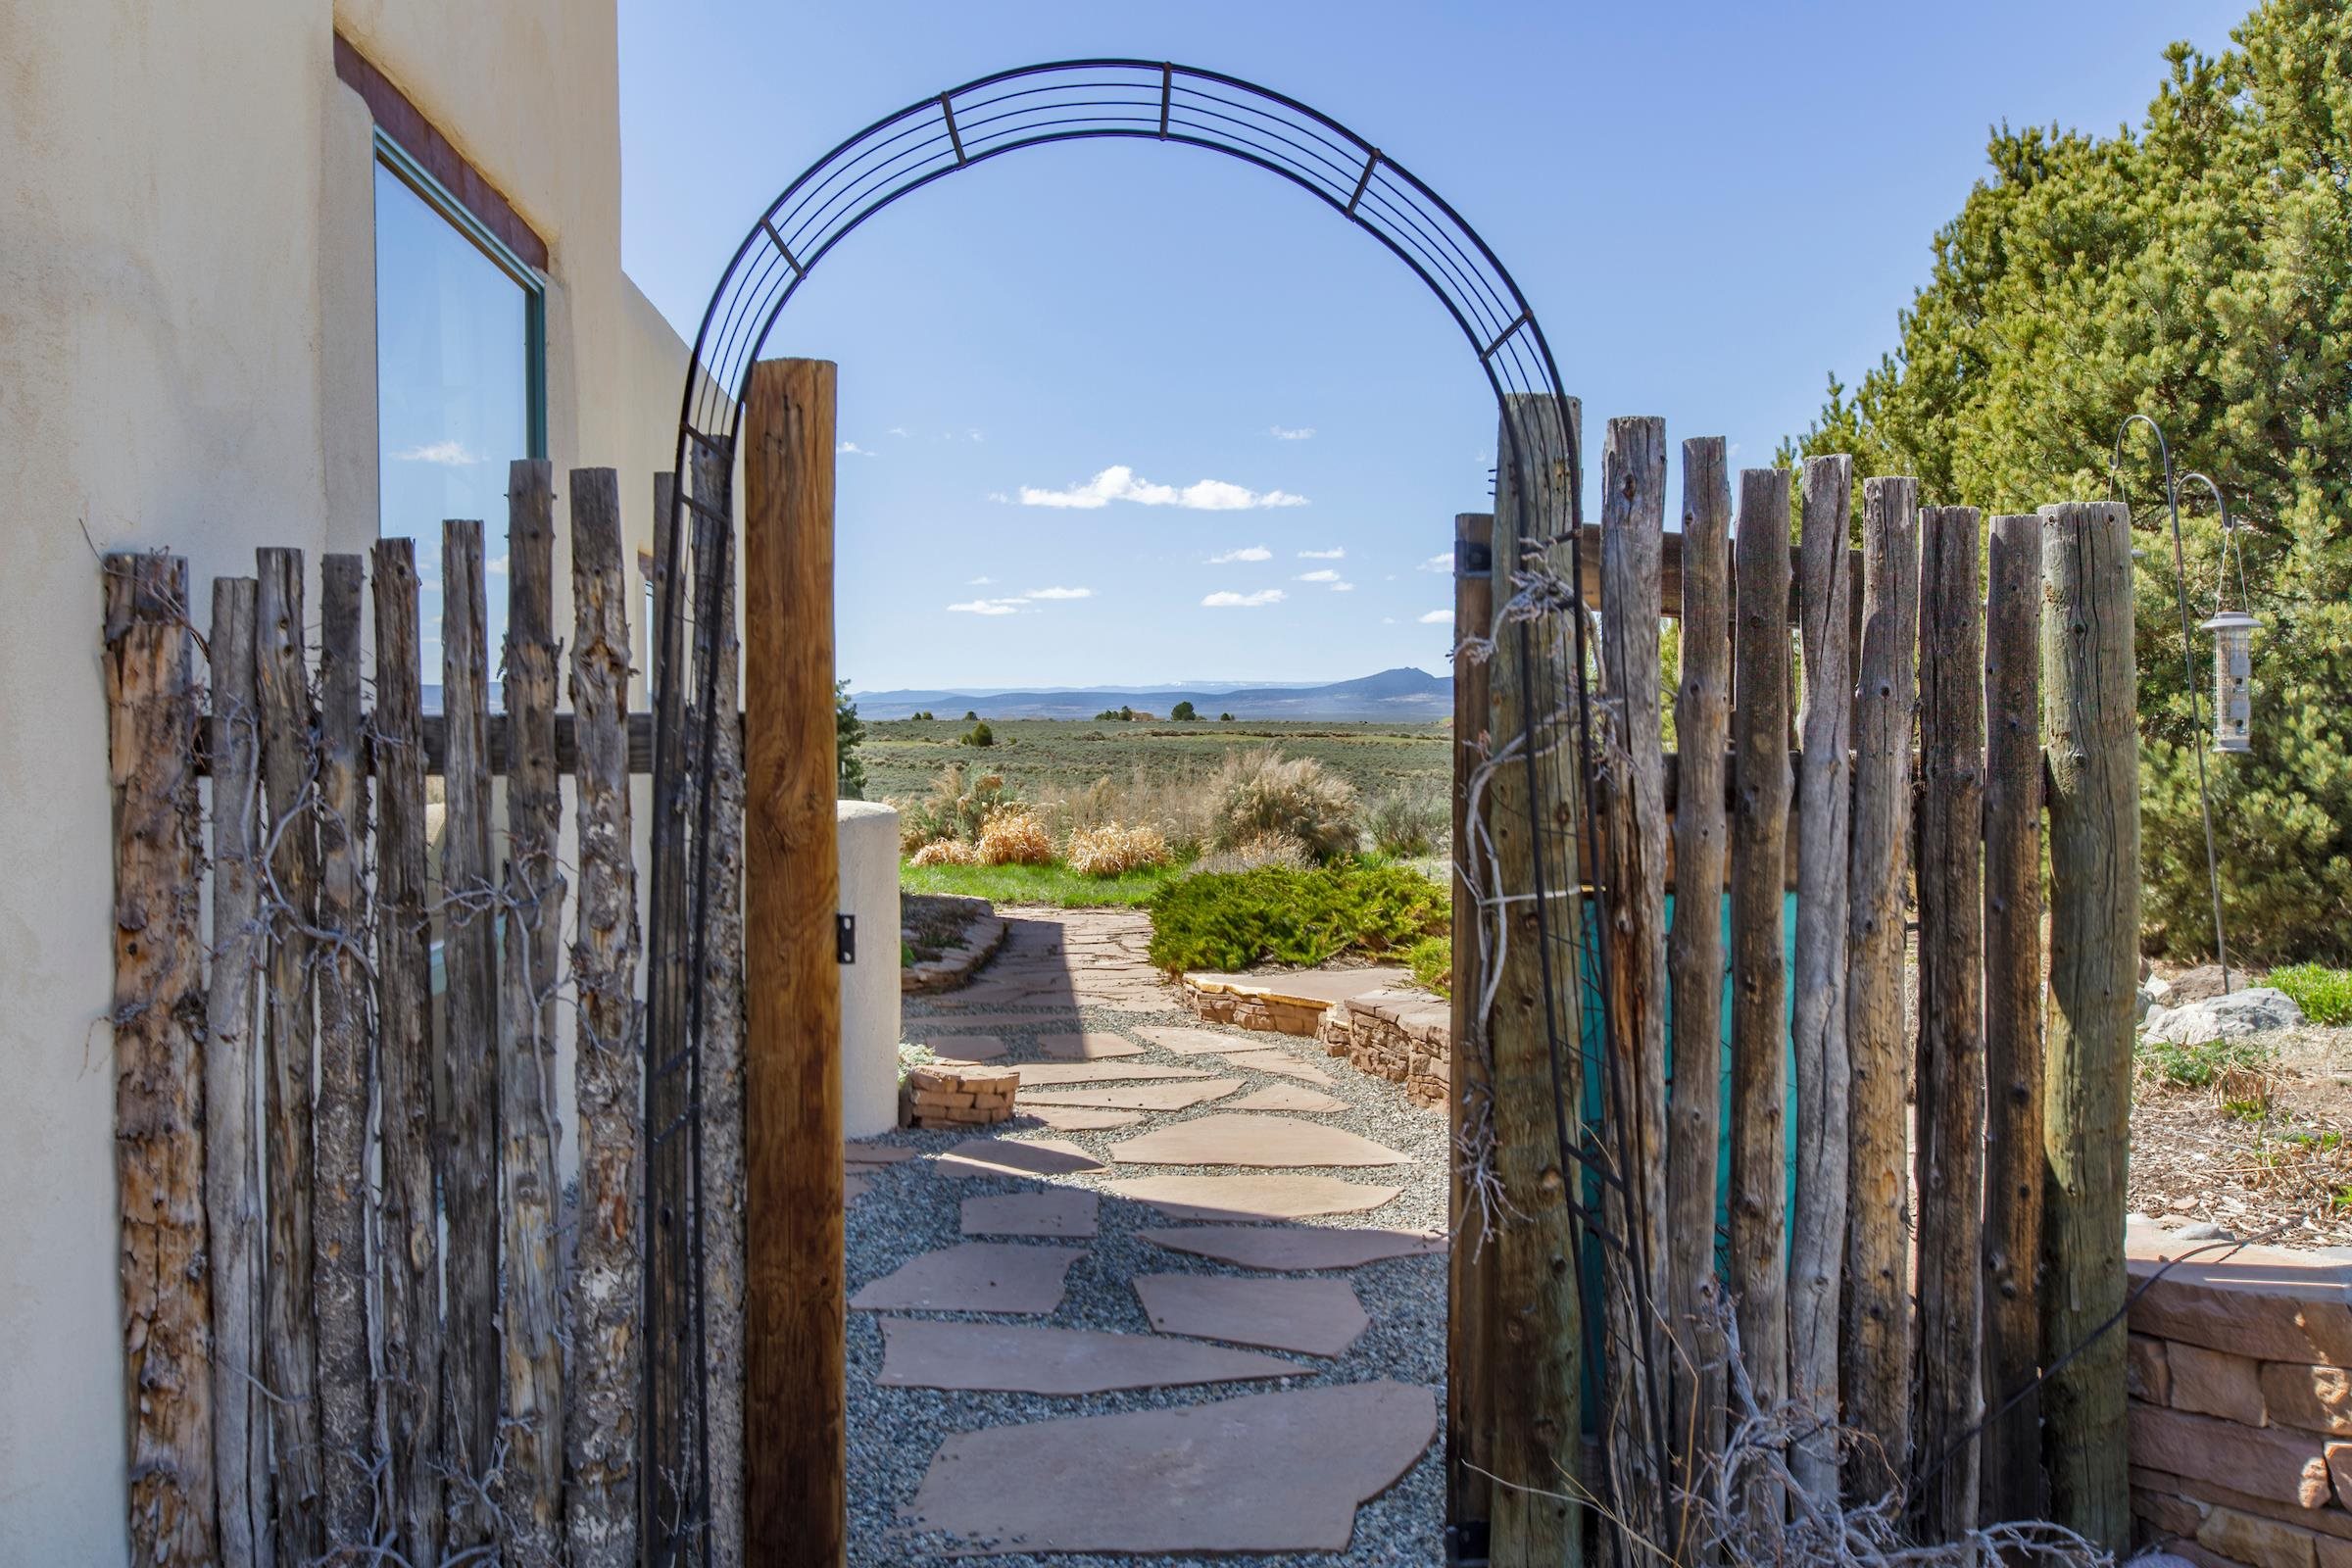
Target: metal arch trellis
[[1063, 101]]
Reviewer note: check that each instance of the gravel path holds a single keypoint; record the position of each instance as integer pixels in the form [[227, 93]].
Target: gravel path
[[910, 1209]]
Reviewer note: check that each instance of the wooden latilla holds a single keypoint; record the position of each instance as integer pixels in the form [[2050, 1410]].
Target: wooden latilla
[[2090, 740], [2011, 1488], [1695, 960], [531, 1470], [289, 1324], [722, 1189], [1951, 1040], [340, 1187], [1630, 817], [159, 1060], [409, 1225], [471, 1361], [796, 1436], [1470, 1263], [1824, 1072], [1875, 1320], [600, 1404], [1759, 1199], [232, 1196]]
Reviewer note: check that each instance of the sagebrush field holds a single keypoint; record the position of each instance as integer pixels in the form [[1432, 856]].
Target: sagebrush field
[[1060, 757]]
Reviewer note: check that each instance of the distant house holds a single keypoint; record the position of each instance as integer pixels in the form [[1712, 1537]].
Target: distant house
[[274, 274]]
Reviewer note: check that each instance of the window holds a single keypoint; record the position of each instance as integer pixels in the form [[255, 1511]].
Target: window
[[460, 365]]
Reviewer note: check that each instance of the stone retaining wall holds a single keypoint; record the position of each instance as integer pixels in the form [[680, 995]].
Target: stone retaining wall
[[1222, 1002], [2241, 1405], [1404, 1035]]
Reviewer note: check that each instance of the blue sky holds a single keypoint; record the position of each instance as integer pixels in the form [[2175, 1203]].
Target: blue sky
[[1711, 206]]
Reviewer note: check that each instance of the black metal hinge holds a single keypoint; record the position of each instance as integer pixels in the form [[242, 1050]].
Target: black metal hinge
[[845, 939]]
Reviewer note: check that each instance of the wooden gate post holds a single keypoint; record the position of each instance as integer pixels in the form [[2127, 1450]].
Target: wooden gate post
[[1470, 1263], [1535, 1325], [795, 1437], [2092, 748]]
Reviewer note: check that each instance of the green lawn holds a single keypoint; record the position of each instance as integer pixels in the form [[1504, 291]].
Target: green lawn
[[1057, 885]]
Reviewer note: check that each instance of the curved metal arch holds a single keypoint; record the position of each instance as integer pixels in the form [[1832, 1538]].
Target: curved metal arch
[[1032, 105]]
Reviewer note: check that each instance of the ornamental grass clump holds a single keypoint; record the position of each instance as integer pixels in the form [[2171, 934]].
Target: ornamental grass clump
[[1013, 835], [1259, 791], [946, 851], [1112, 850]]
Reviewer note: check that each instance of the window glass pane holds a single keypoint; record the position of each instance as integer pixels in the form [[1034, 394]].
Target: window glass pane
[[453, 395]]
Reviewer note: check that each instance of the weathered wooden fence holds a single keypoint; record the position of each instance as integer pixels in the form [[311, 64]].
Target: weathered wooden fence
[[364, 1319], [1915, 1313]]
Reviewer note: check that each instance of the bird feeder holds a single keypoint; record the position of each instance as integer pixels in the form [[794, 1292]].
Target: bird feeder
[[2233, 678]]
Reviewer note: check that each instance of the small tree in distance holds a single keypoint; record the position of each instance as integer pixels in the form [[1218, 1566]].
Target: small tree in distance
[[1184, 712]]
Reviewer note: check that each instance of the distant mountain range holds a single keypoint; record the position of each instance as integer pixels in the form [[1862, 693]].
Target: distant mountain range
[[1404, 695]]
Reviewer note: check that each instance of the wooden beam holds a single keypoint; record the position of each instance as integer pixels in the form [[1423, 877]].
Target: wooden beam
[[1470, 1261], [2091, 748], [1670, 573], [795, 1439]]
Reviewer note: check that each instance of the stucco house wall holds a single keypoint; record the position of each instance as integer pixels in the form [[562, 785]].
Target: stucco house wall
[[187, 361]]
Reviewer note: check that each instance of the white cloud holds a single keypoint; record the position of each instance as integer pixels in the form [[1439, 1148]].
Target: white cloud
[[449, 454], [851, 449], [898, 430], [1438, 617], [1246, 553], [1059, 592], [1324, 575], [987, 606], [1228, 600], [1334, 553], [999, 497], [1305, 433], [1443, 560], [1342, 587], [495, 566], [980, 582], [1119, 483]]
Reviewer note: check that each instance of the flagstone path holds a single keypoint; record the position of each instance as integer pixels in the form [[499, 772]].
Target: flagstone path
[[1047, 1367]]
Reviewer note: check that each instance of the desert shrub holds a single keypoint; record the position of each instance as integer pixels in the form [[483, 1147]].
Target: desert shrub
[[1176, 808], [2198, 1066], [947, 852], [1432, 962], [2325, 995], [978, 735], [1278, 850], [958, 807], [1260, 791], [1184, 712], [1228, 922], [1108, 851], [1014, 836], [1410, 820]]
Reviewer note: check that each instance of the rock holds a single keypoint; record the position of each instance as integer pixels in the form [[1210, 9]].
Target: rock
[[2318, 1399], [2199, 984], [2217, 1383], [2262, 1542], [2147, 1371], [2257, 1010], [2261, 1461]]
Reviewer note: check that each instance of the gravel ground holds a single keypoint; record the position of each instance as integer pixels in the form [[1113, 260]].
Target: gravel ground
[[908, 1209]]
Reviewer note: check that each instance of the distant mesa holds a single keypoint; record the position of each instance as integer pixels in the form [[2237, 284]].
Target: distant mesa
[[1403, 695]]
